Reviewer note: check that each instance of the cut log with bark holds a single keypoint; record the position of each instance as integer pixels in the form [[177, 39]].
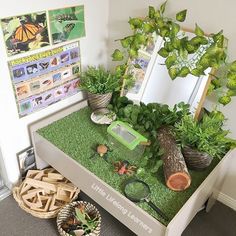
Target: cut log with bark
[[175, 170]]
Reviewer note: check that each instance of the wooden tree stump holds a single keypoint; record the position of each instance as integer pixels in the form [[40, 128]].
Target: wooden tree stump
[[175, 170]]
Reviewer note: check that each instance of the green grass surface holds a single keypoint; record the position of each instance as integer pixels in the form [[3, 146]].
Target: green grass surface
[[77, 136]]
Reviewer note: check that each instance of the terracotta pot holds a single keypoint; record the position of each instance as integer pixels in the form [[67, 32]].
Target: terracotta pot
[[97, 101], [69, 210], [195, 159]]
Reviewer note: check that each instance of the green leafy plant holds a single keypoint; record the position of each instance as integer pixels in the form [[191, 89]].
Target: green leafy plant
[[87, 222], [97, 80], [80, 220], [206, 135], [146, 119], [184, 54]]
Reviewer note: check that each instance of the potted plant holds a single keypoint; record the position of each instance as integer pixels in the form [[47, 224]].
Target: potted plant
[[203, 140], [79, 218], [100, 84]]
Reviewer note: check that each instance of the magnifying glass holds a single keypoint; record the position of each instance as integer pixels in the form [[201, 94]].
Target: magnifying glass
[[137, 191]]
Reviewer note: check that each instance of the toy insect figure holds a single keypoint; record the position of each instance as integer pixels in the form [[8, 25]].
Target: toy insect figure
[[102, 150], [124, 168]]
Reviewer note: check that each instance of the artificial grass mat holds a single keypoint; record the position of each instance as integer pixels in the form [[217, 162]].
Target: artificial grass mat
[[77, 136]]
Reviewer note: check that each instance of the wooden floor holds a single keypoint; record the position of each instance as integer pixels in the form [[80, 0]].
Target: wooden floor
[[220, 221]]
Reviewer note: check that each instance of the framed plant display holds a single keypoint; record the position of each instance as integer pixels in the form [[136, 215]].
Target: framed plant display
[[25, 32], [66, 24]]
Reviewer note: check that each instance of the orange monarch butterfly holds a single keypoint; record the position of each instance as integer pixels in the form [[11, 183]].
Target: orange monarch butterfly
[[26, 32]]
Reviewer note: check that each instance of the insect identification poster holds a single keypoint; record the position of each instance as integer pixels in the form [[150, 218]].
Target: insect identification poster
[[25, 33], [67, 24], [45, 78]]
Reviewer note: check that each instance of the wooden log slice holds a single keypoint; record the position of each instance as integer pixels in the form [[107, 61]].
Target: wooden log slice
[[175, 170]]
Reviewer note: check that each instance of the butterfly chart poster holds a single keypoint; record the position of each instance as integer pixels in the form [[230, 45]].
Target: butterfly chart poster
[[45, 78], [66, 24], [25, 33]]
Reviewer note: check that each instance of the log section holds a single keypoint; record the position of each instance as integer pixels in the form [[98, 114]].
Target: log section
[[175, 170]]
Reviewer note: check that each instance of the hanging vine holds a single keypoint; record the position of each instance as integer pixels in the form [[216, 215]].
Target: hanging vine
[[183, 54]]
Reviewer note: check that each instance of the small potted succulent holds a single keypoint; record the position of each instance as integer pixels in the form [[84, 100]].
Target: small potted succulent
[[79, 218], [99, 84], [203, 140]]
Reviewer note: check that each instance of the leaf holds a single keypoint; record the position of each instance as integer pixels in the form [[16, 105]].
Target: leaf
[[232, 66], [175, 28], [163, 7], [180, 16], [196, 72], [184, 72], [217, 36], [231, 75], [220, 41], [135, 23], [197, 40], [133, 53], [148, 28], [190, 47], [163, 52], [198, 31], [140, 38], [176, 43], [160, 23], [125, 42], [168, 46], [231, 84], [165, 31], [170, 61], [151, 12], [224, 100], [117, 55], [173, 72]]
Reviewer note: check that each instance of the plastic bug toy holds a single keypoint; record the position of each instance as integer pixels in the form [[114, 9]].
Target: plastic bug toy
[[102, 150], [124, 168]]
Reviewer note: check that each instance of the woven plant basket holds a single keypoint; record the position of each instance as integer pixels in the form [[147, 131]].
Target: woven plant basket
[[196, 160], [97, 101], [68, 211]]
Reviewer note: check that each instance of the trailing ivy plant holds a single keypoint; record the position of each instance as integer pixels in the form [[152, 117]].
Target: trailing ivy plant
[[146, 119], [184, 55]]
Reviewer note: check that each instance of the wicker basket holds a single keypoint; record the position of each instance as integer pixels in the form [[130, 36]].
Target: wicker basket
[[97, 101], [47, 212], [42, 215], [68, 211], [196, 160]]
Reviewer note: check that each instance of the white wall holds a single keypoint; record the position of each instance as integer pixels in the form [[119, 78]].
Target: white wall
[[211, 15], [14, 135]]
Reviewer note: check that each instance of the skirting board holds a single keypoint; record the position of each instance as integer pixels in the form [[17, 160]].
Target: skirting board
[[228, 201]]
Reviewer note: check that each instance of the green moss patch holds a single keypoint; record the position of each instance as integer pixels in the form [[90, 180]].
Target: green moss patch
[[78, 137]]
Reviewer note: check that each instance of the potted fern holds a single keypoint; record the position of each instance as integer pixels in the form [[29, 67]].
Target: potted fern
[[79, 218], [204, 140], [99, 84]]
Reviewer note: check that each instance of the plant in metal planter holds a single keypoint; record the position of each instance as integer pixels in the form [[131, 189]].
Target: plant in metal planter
[[203, 140], [184, 54], [100, 84], [79, 218]]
